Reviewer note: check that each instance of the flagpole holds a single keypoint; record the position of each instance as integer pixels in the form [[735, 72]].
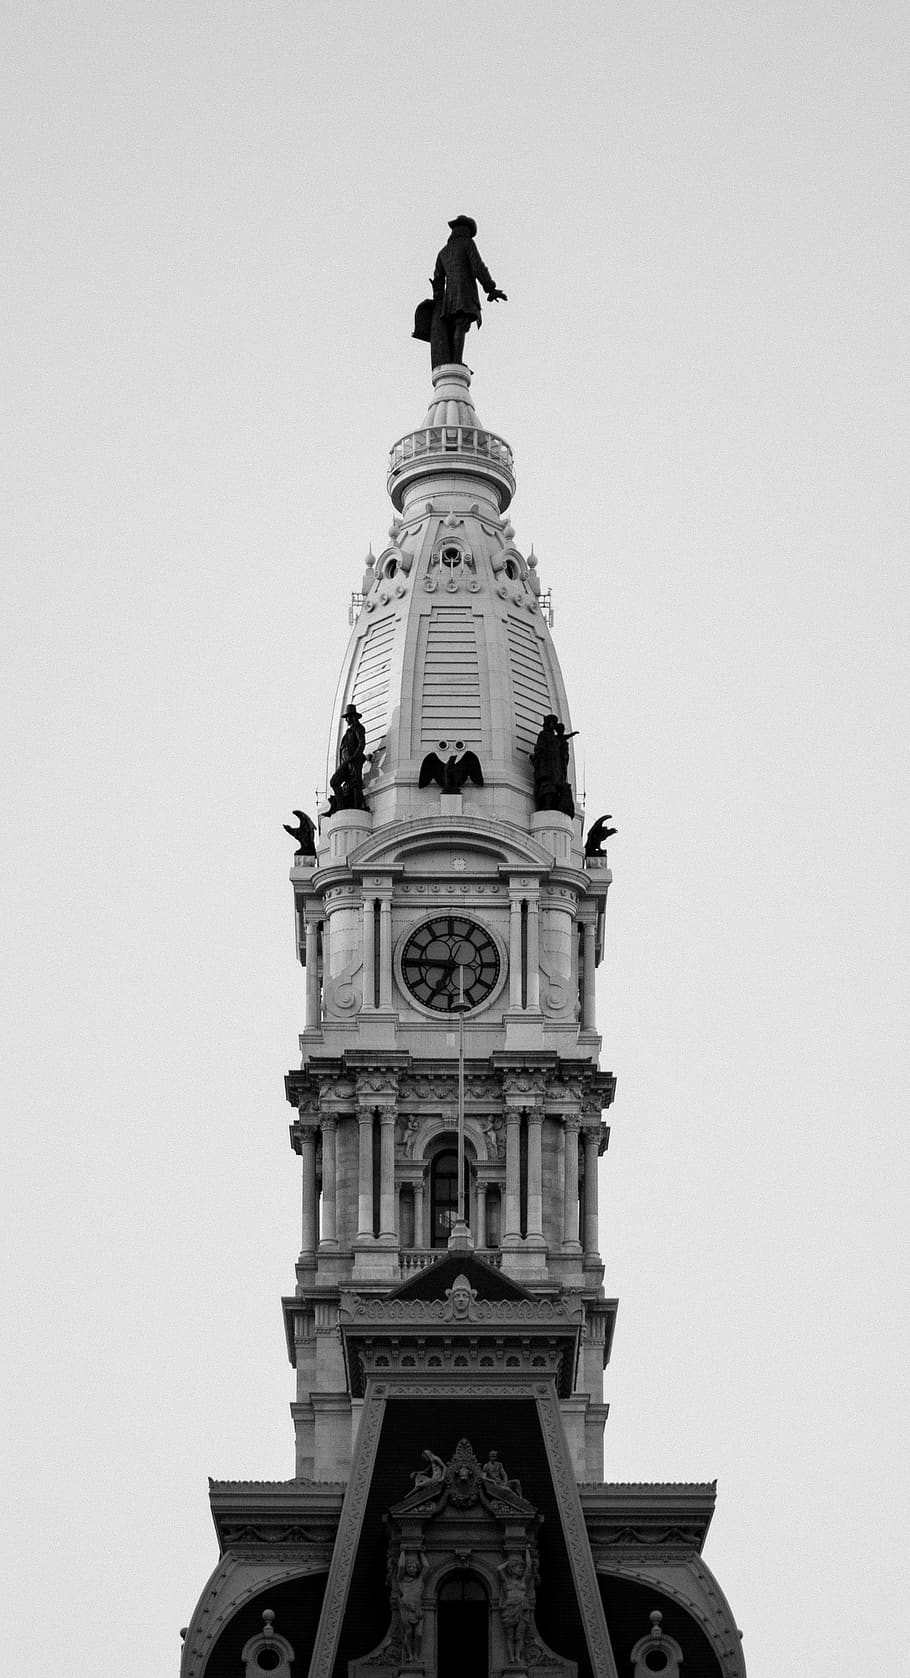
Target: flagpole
[[460, 1236]]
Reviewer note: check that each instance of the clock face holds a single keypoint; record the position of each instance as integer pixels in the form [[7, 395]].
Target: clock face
[[449, 958]]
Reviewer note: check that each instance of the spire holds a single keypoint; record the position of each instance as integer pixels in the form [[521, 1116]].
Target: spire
[[451, 656]]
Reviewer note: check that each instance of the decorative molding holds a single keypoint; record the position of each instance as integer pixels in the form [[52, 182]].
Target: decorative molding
[[505, 1311], [575, 1533], [706, 1604], [355, 1502], [244, 1578]]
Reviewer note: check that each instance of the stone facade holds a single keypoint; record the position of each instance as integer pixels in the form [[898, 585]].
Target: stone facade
[[450, 932]]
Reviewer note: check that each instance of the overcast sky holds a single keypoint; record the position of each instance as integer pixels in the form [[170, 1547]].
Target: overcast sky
[[219, 220]]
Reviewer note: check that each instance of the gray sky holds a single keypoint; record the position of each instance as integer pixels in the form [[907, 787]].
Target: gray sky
[[219, 220]]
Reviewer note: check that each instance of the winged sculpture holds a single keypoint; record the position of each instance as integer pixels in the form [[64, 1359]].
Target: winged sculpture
[[452, 772], [304, 833], [598, 834]]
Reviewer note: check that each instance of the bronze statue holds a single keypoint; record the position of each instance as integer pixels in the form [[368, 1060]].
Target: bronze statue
[[347, 781], [443, 321], [304, 833], [550, 762], [598, 834], [452, 772]]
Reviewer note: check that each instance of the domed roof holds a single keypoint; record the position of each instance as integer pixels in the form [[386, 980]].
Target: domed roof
[[451, 651]]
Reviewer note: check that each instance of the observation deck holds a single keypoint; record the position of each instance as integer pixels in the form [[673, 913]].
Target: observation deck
[[451, 439]]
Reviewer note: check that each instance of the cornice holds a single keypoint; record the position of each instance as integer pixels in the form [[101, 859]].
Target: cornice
[[500, 839], [624, 1516], [540, 1075]]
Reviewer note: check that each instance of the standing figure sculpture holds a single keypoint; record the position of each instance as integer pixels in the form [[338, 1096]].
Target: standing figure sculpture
[[347, 781], [444, 320], [550, 762], [412, 1571], [516, 1579]]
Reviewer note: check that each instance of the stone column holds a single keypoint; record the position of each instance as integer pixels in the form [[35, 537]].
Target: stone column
[[570, 1186], [388, 1230], [481, 1235], [512, 1231], [420, 1239], [385, 952], [515, 952], [588, 1009], [329, 1180], [535, 1174], [311, 958], [592, 1145], [308, 1157], [533, 953], [365, 1173], [369, 955]]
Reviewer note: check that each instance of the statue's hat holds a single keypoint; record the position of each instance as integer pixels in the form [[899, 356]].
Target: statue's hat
[[465, 221]]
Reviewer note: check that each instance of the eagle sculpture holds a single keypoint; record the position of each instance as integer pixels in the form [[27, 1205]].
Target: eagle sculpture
[[598, 834], [452, 772], [304, 833]]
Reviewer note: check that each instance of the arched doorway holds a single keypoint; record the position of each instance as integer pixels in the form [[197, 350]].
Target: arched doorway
[[462, 1627], [444, 1196]]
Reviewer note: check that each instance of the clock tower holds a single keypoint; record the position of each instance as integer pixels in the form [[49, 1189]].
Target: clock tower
[[449, 1325]]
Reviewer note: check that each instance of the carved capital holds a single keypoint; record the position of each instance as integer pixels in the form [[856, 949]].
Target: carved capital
[[380, 1087], [526, 1084]]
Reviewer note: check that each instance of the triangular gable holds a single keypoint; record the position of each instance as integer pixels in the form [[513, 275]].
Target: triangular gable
[[434, 1281]]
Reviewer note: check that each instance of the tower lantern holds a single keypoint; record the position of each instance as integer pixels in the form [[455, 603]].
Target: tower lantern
[[449, 1325]]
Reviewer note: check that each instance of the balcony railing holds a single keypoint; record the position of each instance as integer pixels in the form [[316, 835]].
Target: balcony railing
[[417, 1258], [466, 446]]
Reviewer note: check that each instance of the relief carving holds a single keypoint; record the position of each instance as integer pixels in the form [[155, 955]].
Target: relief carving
[[462, 1517]]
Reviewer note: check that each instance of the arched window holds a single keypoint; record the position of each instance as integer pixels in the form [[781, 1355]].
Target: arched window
[[462, 1627], [443, 1196]]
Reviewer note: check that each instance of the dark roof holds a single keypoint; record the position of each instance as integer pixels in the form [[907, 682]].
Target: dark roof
[[432, 1282]]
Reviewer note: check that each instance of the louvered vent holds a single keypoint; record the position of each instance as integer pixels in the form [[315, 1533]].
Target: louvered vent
[[530, 688], [370, 692], [451, 678]]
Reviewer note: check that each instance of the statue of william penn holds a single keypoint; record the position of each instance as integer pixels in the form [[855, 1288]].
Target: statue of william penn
[[443, 320]]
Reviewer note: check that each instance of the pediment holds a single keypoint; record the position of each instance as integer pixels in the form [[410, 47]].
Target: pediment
[[437, 1280], [495, 844]]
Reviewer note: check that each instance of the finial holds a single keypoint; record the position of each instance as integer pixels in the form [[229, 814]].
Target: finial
[[655, 1617], [268, 1622], [369, 563], [533, 578]]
